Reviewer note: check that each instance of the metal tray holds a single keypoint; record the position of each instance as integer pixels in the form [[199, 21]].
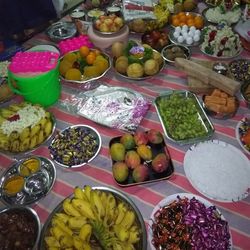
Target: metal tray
[[153, 176], [91, 131], [142, 244], [47, 170], [145, 77], [201, 115], [83, 81]]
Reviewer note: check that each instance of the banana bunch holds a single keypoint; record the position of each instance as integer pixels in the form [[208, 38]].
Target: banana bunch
[[162, 15], [30, 136], [93, 215]]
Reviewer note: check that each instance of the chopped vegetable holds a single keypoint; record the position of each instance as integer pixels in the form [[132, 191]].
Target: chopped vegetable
[[189, 224]]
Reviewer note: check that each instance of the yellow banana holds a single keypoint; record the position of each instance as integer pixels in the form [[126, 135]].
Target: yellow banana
[[85, 233], [117, 246], [24, 134], [128, 219], [14, 146], [14, 135], [47, 128], [134, 237], [96, 204], [84, 208], [86, 246], [58, 233], [4, 144], [6, 113], [63, 217], [54, 248], [51, 241], [87, 191], [41, 137], [77, 242], [25, 144], [33, 141], [75, 223], [121, 232], [66, 241], [42, 122], [128, 246], [34, 130], [121, 212], [56, 222], [69, 209], [47, 115], [79, 194], [14, 107]]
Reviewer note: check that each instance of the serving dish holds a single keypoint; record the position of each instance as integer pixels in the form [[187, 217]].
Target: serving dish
[[175, 109], [61, 30], [75, 146], [36, 185], [214, 168], [83, 77], [240, 69], [184, 43], [40, 128], [21, 227], [242, 132], [245, 92], [170, 207], [156, 169], [114, 197], [158, 60], [165, 52]]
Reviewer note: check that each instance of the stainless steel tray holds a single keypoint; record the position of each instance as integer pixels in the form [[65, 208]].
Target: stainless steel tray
[[24, 198], [141, 245], [201, 116], [56, 145]]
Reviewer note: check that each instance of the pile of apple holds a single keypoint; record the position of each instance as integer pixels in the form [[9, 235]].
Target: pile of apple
[[110, 23], [136, 157]]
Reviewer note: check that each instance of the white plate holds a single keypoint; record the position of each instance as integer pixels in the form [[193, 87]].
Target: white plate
[[45, 48], [238, 134], [169, 200], [218, 170]]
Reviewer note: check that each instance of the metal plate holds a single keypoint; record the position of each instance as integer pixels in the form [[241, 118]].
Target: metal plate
[[142, 244], [222, 57], [218, 170], [241, 129], [23, 198], [20, 154], [91, 135], [174, 40], [204, 12], [83, 81], [143, 77], [201, 116], [170, 199]]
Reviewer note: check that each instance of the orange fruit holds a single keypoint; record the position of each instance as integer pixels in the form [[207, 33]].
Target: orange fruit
[[181, 14], [198, 22], [97, 52], [176, 22], [84, 51], [190, 22], [183, 19], [182, 23], [90, 58]]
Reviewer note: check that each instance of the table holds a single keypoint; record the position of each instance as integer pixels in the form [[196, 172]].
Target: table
[[99, 172]]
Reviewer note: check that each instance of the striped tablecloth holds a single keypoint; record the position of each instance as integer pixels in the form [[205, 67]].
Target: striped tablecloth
[[99, 172]]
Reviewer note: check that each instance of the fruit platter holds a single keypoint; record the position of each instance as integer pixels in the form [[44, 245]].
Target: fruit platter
[[108, 25], [220, 105], [27, 181], [220, 42], [75, 146], [95, 218], [138, 62], [83, 65], [140, 158], [24, 127], [198, 222], [242, 132], [182, 117]]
